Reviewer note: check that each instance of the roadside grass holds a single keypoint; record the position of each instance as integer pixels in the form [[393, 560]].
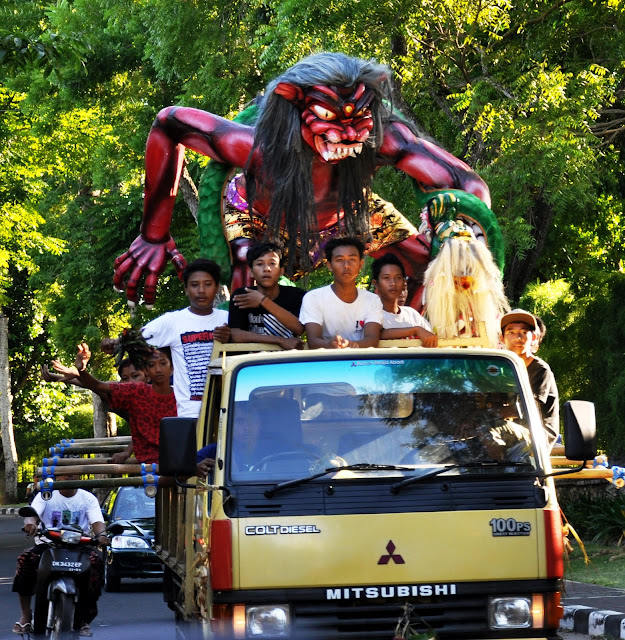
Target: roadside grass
[[606, 567]]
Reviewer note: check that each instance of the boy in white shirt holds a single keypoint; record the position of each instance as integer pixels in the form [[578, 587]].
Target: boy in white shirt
[[190, 333], [341, 315], [389, 277]]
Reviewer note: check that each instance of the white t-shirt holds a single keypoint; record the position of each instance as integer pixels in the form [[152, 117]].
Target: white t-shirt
[[190, 337], [347, 319], [407, 317], [82, 509]]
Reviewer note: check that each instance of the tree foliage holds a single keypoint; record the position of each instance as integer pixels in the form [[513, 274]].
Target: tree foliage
[[529, 93]]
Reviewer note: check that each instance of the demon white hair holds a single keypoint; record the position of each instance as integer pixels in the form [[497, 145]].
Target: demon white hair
[[463, 288]]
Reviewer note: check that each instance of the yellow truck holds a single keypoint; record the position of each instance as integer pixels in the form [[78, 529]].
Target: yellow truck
[[366, 493]]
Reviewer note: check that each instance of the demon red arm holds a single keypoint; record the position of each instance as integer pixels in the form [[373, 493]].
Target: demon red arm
[[430, 165], [174, 129]]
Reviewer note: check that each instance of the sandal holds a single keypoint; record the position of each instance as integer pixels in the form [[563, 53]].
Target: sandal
[[22, 629]]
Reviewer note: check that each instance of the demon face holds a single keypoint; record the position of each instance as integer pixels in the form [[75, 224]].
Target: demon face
[[336, 121]]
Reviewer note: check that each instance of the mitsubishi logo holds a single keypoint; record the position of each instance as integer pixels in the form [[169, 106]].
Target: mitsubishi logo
[[395, 557]]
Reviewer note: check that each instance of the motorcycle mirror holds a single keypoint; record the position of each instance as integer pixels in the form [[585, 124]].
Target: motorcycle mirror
[[116, 529], [28, 512]]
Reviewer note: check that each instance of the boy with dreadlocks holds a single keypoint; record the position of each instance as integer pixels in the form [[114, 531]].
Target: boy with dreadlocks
[[129, 371], [145, 403]]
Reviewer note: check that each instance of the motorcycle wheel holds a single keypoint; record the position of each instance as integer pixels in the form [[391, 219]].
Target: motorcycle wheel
[[40, 615], [111, 583], [63, 617]]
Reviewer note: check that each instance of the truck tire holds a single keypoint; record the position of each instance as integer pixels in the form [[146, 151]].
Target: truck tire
[[111, 583], [62, 617]]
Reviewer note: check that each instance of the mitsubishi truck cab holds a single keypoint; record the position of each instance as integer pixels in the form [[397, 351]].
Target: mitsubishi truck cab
[[354, 489]]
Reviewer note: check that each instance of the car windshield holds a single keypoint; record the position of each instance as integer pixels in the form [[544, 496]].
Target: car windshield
[[133, 504], [289, 419]]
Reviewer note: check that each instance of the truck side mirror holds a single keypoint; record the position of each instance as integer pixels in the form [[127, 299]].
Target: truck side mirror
[[177, 447], [580, 430]]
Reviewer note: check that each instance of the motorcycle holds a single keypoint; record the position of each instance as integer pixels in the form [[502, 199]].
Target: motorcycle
[[63, 570]]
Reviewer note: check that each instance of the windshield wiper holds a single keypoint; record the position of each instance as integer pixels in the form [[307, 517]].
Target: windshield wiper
[[361, 466], [466, 465]]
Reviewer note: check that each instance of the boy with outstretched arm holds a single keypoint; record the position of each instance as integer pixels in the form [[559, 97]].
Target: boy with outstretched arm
[[269, 311], [146, 403], [341, 315], [389, 277]]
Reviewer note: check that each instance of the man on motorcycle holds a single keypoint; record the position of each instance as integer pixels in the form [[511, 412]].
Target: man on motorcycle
[[66, 506]]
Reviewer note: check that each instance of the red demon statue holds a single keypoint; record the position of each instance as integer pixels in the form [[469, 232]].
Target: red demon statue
[[322, 130]]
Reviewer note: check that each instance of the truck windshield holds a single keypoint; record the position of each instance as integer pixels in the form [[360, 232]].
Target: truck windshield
[[290, 419]]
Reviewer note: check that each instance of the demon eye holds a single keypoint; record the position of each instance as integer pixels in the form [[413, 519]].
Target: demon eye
[[322, 112], [361, 112]]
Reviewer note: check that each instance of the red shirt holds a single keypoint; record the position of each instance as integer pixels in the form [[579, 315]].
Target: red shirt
[[146, 408]]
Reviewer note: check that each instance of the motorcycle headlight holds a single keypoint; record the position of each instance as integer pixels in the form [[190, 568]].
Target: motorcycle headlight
[[513, 612], [266, 621], [70, 537], [129, 542]]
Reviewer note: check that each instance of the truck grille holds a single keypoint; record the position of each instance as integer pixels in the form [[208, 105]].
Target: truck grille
[[460, 618], [461, 615]]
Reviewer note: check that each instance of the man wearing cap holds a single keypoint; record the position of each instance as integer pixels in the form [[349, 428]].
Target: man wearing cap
[[519, 329]]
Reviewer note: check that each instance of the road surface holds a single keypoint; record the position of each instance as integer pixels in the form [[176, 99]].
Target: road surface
[[136, 612]]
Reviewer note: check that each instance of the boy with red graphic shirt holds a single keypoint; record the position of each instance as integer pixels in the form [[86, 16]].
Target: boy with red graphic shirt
[[146, 403]]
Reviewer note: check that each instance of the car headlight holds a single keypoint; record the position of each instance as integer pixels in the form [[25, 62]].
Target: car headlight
[[263, 621], [129, 542], [512, 612]]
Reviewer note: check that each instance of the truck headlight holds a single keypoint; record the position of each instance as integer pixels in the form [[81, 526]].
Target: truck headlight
[[129, 542], [512, 612], [268, 621]]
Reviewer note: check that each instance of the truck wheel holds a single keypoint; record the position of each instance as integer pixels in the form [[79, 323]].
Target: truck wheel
[[111, 583], [63, 616]]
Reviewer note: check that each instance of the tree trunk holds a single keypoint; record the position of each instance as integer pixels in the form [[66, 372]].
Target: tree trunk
[[189, 193], [521, 271], [104, 423], [8, 493]]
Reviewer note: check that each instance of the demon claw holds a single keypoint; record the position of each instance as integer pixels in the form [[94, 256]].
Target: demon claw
[[132, 304]]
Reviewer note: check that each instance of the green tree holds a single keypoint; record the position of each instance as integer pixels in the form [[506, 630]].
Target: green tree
[[529, 93]]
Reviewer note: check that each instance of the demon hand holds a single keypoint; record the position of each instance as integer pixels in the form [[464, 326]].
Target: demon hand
[[149, 259]]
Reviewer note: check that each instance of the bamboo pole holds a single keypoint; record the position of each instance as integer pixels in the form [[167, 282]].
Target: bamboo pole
[[107, 468], [587, 474], [558, 461], [136, 481], [83, 441], [83, 449], [71, 462]]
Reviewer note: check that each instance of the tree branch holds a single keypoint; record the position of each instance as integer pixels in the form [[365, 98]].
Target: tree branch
[[513, 30], [189, 192]]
